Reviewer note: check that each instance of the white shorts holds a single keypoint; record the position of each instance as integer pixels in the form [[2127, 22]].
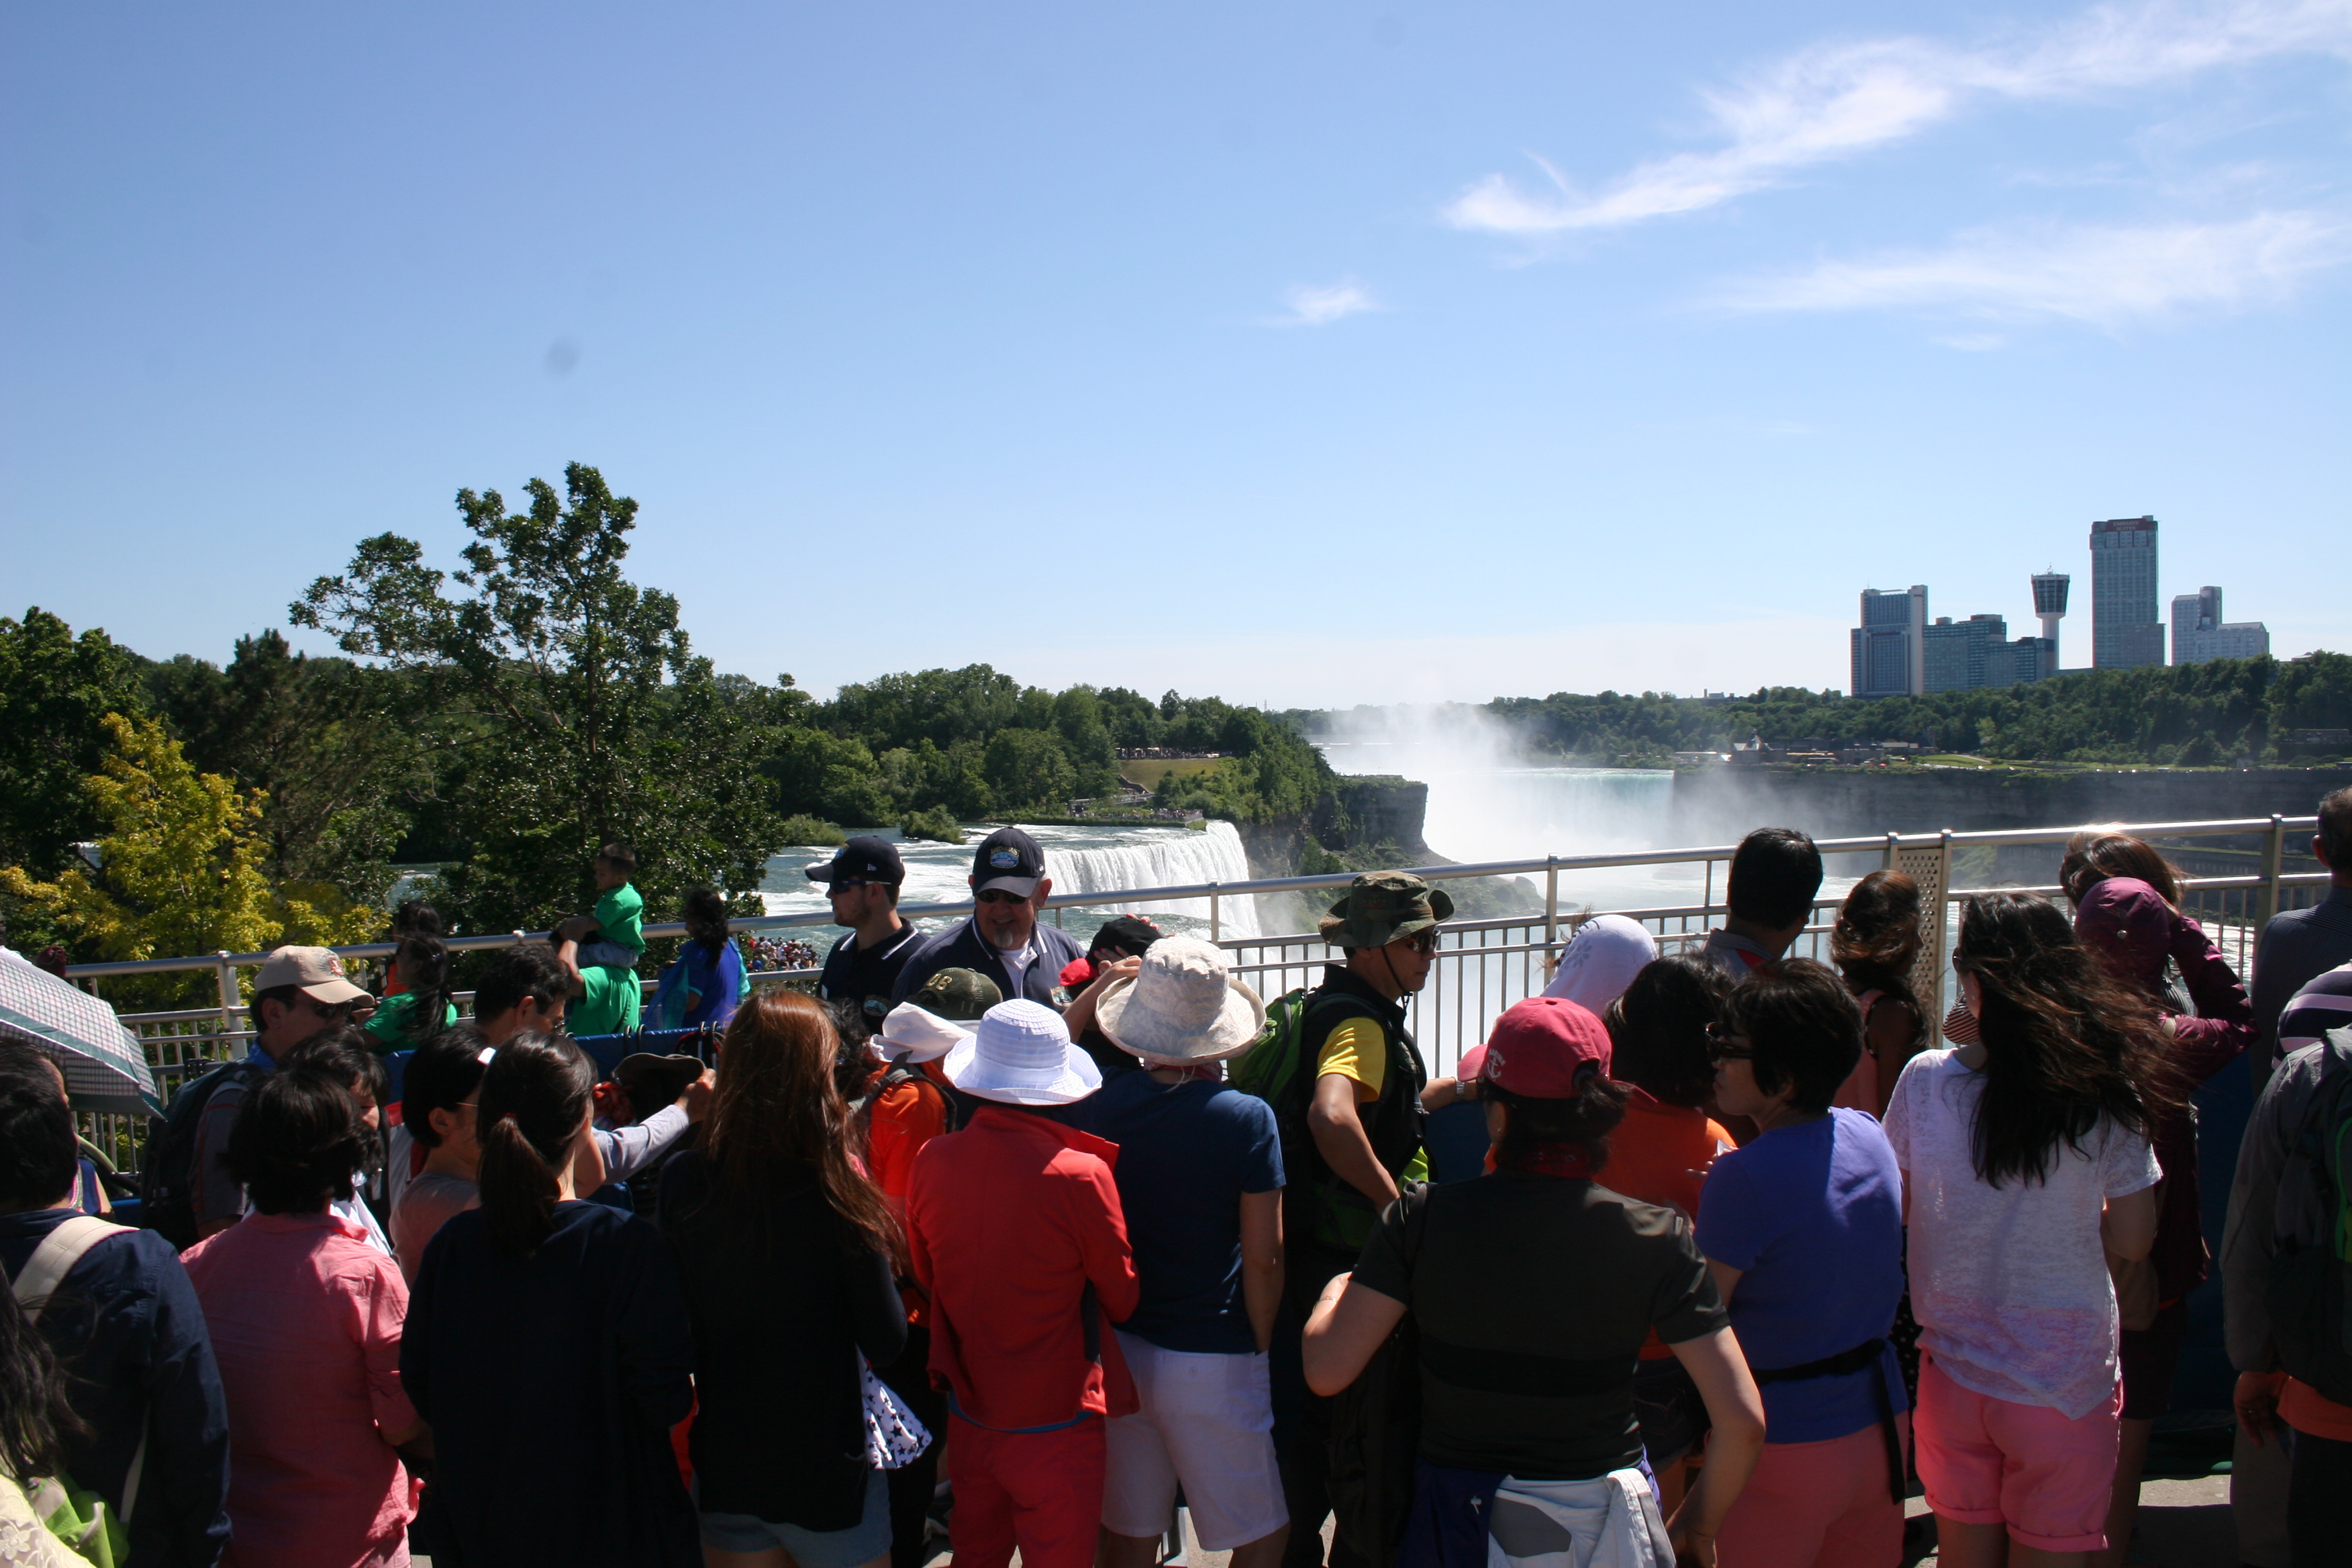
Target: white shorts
[[1207, 1422]]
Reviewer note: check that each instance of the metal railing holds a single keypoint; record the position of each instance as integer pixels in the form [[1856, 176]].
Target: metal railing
[[1482, 966]]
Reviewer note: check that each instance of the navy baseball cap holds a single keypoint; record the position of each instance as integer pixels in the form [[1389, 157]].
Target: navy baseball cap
[[1008, 858], [863, 860]]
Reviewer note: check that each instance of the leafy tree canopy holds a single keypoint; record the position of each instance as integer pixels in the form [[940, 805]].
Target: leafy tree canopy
[[581, 714], [56, 691]]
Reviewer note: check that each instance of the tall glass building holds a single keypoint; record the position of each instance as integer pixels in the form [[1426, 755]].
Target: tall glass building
[[1888, 649], [2125, 632]]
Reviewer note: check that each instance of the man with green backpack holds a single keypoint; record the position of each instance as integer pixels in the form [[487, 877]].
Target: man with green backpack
[[1349, 1092]]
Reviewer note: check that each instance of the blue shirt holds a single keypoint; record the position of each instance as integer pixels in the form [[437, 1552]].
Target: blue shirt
[[126, 1321], [1812, 1215], [1187, 1152]]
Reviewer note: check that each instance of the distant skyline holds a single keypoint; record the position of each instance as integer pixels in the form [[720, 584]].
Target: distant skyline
[[1310, 356]]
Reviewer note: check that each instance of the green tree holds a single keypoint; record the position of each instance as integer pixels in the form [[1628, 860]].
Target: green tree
[[580, 711], [1027, 768], [179, 871], [56, 691], [334, 747]]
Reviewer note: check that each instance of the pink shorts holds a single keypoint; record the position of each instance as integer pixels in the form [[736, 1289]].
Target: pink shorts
[[1817, 1505], [1995, 1461]]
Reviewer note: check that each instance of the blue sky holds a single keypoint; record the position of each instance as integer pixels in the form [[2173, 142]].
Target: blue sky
[[1302, 353]]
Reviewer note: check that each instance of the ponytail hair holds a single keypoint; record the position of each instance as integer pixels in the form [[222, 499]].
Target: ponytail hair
[[424, 970], [535, 1094]]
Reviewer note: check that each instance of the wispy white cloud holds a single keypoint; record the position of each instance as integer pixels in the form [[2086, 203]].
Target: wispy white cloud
[[1320, 305], [1834, 100], [2108, 278]]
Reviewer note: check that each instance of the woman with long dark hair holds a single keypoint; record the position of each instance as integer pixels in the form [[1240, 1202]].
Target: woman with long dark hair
[[785, 1248], [1875, 940], [548, 1343], [1532, 1288], [424, 1007], [2026, 1160]]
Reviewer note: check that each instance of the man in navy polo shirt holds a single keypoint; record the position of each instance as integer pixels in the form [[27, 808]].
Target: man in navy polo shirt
[[862, 883], [1002, 940]]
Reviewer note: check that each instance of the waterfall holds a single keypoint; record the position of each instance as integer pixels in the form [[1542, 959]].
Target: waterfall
[[1179, 860]]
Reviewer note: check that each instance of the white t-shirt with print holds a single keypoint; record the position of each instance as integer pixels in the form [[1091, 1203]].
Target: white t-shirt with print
[[2009, 1284]]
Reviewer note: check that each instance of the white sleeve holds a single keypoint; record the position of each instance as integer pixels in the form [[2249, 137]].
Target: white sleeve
[[629, 1149], [2127, 1163], [1897, 1125]]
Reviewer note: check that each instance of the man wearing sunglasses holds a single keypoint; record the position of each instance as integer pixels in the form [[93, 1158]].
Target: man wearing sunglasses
[[862, 883], [1004, 939], [1349, 1145]]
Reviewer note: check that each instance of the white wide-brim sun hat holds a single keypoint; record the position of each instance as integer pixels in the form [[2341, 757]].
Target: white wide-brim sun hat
[[1183, 1005], [1022, 1054], [916, 1035]]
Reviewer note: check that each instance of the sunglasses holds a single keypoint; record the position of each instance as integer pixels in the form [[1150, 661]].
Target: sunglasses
[[1719, 1048], [998, 896], [1424, 944], [847, 886]]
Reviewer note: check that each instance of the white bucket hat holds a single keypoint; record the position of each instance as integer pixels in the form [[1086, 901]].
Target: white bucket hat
[[1601, 961], [1022, 1054], [1183, 1005], [916, 1035]]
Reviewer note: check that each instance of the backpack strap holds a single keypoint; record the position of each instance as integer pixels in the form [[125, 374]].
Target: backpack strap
[[54, 1258]]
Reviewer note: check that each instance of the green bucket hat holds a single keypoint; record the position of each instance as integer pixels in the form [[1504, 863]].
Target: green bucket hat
[[1383, 906], [962, 994]]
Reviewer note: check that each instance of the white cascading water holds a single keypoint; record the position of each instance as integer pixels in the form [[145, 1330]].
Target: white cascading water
[[1177, 860]]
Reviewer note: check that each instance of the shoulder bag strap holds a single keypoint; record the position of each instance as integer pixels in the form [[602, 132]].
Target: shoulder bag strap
[[54, 1258]]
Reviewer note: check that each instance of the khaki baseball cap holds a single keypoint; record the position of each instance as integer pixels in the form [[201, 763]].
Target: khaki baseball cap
[[316, 971]]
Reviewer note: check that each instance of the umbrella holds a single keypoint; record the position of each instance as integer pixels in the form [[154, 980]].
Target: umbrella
[[105, 1066]]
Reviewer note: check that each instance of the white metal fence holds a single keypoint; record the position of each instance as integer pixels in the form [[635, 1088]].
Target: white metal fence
[[1483, 965]]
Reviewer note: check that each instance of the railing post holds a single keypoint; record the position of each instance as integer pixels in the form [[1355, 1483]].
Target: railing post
[[1551, 903], [1212, 912], [2273, 859], [231, 999], [1886, 860]]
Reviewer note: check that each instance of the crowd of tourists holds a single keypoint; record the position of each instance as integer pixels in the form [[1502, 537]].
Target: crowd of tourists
[[1702, 1256]]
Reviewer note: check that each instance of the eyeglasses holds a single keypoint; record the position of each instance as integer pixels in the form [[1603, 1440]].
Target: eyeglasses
[[1720, 1049], [998, 896], [1424, 944]]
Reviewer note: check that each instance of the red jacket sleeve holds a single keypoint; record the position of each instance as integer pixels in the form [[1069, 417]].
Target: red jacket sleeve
[[1100, 1223], [918, 1254]]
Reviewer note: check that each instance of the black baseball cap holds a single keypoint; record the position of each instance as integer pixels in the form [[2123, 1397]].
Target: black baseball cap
[[1008, 858], [1130, 936], [863, 860]]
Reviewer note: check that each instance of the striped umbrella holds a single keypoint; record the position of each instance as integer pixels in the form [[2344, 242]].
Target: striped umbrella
[[105, 1066]]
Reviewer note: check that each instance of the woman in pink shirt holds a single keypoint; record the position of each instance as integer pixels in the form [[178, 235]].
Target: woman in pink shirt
[[305, 1319]]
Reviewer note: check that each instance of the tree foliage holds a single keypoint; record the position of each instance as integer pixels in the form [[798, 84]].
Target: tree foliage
[[56, 691], [330, 744], [2191, 714], [180, 870], [574, 700]]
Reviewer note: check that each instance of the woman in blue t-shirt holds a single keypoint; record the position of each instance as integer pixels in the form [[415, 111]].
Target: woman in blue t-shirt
[[1802, 1229]]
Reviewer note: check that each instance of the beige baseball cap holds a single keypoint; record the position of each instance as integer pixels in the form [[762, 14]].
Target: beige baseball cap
[[316, 971]]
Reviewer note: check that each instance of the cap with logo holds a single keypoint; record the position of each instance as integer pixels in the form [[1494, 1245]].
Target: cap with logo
[[863, 860], [1544, 1048], [959, 994], [1008, 858], [316, 971]]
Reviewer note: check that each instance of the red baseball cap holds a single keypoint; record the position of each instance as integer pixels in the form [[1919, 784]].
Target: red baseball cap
[[1540, 1048]]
